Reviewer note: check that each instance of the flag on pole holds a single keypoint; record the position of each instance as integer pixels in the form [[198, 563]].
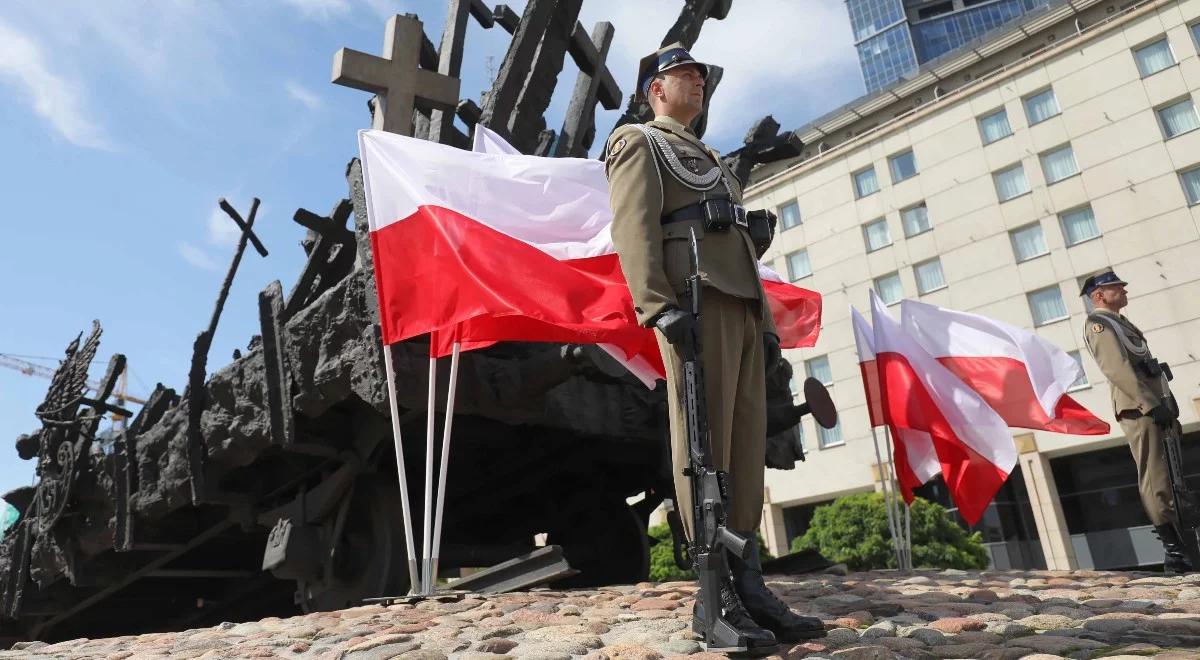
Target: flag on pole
[[971, 440], [916, 461], [1022, 376], [485, 247]]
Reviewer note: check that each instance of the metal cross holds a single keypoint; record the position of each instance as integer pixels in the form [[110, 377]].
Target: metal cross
[[396, 78]]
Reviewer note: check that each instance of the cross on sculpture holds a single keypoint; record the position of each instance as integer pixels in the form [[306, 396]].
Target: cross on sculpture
[[594, 82], [763, 144], [396, 78]]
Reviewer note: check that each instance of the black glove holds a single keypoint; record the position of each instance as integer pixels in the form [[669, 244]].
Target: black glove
[[675, 324], [771, 353], [1162, 415]]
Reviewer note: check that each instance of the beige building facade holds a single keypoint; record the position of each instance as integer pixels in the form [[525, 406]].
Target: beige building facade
[[994, 181]]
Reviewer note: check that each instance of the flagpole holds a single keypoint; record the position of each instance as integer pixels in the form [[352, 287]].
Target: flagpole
[[905, 550], [427, 538], [413, 583], [441, 492], [885, 476]]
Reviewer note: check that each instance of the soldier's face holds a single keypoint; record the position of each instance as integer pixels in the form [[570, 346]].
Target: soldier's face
[[1113, 296], [680, 88]]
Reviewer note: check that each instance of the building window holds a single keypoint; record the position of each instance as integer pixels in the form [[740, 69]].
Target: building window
[[1011, 182], [915, 220], [1047, 305], [793, 387], [1058, 164], [1196, 34], [994, 126], [798, 265], [889, 289], [903, 166], [830, 437], [876, 235], [1081, 382], [818, 368], [1178, 118], [1079, 225], [929, 276], [1041, 106], [1028, 242], [1154, 57], [789, 215], [865, 182], [1191, 185]]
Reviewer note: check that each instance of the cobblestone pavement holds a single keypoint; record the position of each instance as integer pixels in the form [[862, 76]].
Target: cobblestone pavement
[[927, 614]]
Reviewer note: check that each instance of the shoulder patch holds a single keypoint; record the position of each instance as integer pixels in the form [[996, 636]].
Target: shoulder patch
[[616, 147], [1097, 327]]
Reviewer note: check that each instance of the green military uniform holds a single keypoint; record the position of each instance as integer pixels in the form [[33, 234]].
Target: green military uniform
[[1118, 347], [655, 258]]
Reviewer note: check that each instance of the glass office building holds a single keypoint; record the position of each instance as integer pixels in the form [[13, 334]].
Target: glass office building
[[894, 37]]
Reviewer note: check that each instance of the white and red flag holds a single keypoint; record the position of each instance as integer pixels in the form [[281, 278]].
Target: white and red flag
[[485, 247], [915, 458], [972, 441], [1022, 376]]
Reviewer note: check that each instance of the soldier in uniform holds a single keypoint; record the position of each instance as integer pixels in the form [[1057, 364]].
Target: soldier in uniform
[[1141, 403], [664, 183]]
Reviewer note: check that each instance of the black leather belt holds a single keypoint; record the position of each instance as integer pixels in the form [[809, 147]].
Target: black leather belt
[[716, 213]]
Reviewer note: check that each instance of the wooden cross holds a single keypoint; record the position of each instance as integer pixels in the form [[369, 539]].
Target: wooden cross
[[396, 78], [594, 81]]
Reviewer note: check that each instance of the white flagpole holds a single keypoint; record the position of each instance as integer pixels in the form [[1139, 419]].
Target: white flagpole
[[908, 534], [885, 475], [413, 584], [905, 551], [441, 492], [427, 538]]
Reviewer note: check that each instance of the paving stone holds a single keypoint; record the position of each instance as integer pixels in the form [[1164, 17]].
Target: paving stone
[[678, 647], [957, 625], [883, 628], [1047, 621], [494, 645], [840, 637], [927, 636], [864, 653]]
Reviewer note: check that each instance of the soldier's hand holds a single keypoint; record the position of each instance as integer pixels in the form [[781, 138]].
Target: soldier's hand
[[675, 324], [1162, 415], [772, 355]]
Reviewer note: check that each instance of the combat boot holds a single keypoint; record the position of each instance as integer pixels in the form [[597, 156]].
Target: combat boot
[[1175, 562], [759, 641], [764, 606]]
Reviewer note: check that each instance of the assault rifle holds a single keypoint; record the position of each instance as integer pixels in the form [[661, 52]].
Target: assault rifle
[[1187, 501], [710, 537]]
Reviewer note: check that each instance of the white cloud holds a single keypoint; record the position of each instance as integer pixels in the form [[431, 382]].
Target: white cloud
[[197, 257], [302, 94], [53, 97], [320, 9]]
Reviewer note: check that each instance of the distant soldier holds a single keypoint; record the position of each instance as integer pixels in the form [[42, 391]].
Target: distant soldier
[[664, 183], [1140, 403]]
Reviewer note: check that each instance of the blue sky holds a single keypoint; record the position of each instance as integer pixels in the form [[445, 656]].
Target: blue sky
[[124, 121]]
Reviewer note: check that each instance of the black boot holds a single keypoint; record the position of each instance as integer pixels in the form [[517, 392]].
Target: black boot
[[1175, 562], [759, 641], [762, 603]]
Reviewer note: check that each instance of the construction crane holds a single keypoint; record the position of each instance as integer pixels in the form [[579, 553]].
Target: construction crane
[[31, 369]]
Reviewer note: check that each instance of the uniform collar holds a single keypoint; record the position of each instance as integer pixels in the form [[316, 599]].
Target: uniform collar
[[674, 124], [684, 132]]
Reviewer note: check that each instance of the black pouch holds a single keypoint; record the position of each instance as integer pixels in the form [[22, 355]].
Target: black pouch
[[761, 225]]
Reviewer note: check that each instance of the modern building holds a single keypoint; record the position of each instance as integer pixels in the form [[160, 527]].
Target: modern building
[[994, 181], [894, 37]]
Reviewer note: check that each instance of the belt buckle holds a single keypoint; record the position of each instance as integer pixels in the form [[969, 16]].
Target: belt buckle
[[711, 212], [739, 216]]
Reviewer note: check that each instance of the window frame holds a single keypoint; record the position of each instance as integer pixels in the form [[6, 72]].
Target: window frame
[[822, 431], [979, 124], [1078, 357], [1147, 44], [928, 224], [1045, 322], [1194, 169], [1025, 106], [1053, 150], [1013, 243], [787, 259], [892, 161], [875, 286], [945, 284], [858, 194], [799, 219], [867, 242], [1017, 165], [1162, 127], [1062, 226], [808, 371]]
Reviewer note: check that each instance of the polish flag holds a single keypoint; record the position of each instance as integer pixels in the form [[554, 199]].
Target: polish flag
[[1020, 375], [972, 441], [913, 453], [486, 247]]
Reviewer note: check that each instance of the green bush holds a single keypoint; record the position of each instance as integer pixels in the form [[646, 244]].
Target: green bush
[[853, 530], [662, 561]]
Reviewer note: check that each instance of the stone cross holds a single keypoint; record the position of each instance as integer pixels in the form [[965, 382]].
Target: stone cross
[[441, 122], [396, 78], [594, 81]]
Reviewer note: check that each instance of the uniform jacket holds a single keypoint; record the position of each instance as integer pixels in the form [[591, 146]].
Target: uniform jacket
[[1132, 390], [655, 257]]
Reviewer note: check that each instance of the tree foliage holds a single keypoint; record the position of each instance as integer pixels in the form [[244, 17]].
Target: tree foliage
[[854, 530], [662, 561]]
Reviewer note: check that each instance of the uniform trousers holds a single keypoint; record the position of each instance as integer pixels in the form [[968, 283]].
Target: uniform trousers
[[1145, 442], [735, 391]]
